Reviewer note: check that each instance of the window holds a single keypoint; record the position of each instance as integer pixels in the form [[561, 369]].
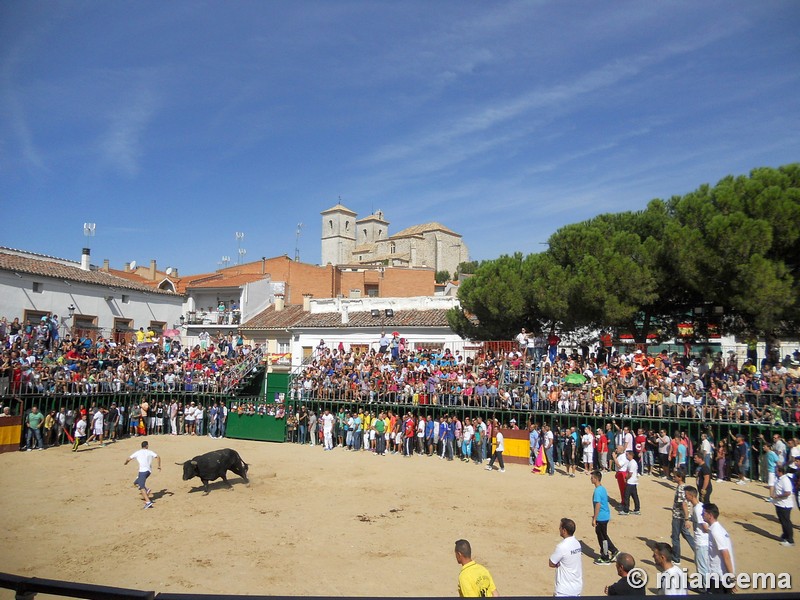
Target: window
[[284, 347], [37, 287], [158, 326], [123, 330], [371, 290], [359, 348], [330, 224], [347, 225], [125, 298], [85, 326], [392, 248], [34, 316], [365, 234]]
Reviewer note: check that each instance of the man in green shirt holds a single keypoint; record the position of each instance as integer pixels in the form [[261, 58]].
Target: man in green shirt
[[34, 421], [380, 430]]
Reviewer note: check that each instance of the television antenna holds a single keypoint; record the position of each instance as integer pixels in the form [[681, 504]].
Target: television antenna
[[88, 229], [226, 260], [169, 271], [297, 242], [239, 235], [133, 265]]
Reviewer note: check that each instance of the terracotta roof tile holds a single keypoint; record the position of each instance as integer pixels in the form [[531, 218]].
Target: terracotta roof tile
[[401, 318], [294, 317], [34, 264], [424, 228], [272, 319], [221, 280]]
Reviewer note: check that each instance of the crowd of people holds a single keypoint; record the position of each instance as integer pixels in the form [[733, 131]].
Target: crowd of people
[[106, 424], [38, 359], [555, 379]]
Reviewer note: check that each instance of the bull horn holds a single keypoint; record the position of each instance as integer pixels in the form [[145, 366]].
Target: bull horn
[[179, 464], [194, 462]]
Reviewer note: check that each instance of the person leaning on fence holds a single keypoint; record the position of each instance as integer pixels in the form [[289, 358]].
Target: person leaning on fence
[[474, 580]]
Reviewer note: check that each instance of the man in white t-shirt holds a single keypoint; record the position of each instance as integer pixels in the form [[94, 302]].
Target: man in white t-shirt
[[327, 429], [672, 580], [700, 528], [720, 548], [783, 501], [145, 458], [566, 560], [587, 441], [631, 486]]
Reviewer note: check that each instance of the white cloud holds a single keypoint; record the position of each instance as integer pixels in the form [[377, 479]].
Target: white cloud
[[121, 144]]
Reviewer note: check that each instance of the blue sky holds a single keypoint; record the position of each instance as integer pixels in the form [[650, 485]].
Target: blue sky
[[172, 125]]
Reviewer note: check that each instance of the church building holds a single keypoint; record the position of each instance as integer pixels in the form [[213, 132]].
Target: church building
[[348, 240]]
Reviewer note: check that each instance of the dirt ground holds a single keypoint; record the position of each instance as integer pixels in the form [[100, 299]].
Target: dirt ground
[[328, 523]]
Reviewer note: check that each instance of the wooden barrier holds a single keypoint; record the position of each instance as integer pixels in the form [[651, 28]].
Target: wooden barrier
[[517, 446], [10, 434]]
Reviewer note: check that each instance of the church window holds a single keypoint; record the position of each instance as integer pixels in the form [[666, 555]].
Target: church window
[[330, 224], [392, 248]]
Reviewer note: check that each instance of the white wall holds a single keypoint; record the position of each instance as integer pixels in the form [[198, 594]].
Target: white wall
[[17, 295]]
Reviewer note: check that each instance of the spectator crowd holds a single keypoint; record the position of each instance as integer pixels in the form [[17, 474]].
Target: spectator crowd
[[36, 359], [609, 383]]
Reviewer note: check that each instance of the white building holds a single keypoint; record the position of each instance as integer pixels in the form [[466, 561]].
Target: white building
[[34, 285], [357, 323]]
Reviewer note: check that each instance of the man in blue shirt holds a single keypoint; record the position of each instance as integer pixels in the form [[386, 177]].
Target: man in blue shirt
[[600, 519], [534, 444]]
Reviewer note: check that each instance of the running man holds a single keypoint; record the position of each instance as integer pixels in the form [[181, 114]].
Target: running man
[[145, 458]]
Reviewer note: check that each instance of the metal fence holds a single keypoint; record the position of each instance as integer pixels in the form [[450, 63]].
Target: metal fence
[[693, 429]]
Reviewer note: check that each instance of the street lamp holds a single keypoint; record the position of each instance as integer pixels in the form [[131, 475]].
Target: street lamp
[[71, 311]]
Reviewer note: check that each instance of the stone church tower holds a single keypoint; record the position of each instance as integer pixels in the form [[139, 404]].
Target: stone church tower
[[347, 240], [338, 235]]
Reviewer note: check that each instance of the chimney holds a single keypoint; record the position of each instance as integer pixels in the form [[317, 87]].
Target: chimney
[[307, 302], [85, 265], [106, 265], [263, 264], [127, 267], [153, 270], [413, 261], [345, 315], [279, 302]]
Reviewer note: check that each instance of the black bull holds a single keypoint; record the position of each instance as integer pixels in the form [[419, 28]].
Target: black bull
[[213, 465]]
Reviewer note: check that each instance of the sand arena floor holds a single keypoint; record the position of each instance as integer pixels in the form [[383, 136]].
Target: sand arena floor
[[328, 523]]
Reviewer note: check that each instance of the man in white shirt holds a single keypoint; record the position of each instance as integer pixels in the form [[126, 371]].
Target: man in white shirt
[[631, 486], [588, 450], [327, 429], [784, 502], [145, 458], [700, 528], [566, 559], [720, 550], [671, 580]]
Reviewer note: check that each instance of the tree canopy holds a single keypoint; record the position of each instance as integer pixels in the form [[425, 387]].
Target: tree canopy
[[734, 246]]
